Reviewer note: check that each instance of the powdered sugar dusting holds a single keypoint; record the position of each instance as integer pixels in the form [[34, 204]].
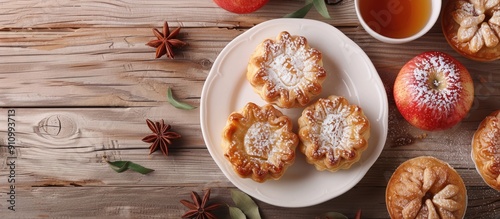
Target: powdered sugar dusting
[[332, 127], [436, 69], [478, 22], [466, 7], [258, 140], [289, 63], [263, 142], [492, 144]]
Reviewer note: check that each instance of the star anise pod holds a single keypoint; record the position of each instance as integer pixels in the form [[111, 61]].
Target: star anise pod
[[166, 41], [161, 138], [198, 208]]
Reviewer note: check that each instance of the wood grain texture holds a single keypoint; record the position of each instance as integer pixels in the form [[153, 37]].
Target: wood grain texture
[[82, 83], [95, 13]]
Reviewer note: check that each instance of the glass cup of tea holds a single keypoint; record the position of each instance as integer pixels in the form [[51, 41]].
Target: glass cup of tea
[[397, 21]]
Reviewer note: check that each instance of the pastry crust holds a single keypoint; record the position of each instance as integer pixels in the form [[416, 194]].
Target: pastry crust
[[259, 142], [486, 150], [286, 71], [472, 28], [333, 133], [426, 187]]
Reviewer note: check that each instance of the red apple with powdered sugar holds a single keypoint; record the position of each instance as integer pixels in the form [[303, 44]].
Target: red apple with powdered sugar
[[433, 91]]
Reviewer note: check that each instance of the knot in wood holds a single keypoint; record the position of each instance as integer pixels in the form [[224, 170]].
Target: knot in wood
[[57, 126]]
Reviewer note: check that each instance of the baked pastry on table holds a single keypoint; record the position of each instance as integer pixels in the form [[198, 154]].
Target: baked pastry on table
[[472, 28], [333, 133], [486, 150], [425, 187], [259, 142], [286, 71]]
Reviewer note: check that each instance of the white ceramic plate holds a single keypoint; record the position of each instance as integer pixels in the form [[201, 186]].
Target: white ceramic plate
[[350, 74]]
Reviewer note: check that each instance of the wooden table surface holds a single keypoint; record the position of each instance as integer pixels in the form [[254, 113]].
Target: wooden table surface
[[79, 82]]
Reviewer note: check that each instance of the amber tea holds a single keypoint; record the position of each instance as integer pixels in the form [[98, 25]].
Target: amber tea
[[395, 18]]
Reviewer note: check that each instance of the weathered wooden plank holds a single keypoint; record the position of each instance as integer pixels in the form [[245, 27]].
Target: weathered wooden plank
[[188, 13]]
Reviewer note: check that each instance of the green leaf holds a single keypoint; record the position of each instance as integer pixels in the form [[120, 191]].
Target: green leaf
[[321, 7], [177, 104], [120, 166], [334, 215], [302, 12], [245, 203], [236, 213]]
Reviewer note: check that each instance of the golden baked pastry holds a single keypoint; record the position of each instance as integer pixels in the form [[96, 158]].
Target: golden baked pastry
[[333, 133], [486, 150], [425, 187], [259, 142], [472, 28], [286, 71]]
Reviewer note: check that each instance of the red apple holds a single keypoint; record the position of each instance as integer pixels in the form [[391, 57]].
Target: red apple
[[241, 6], [433, 91]]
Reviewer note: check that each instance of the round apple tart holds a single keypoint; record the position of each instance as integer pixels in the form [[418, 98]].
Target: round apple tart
[[486, 150], [333, 133], [259, 142], [472, 28], [286, 71], [426, 187]]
